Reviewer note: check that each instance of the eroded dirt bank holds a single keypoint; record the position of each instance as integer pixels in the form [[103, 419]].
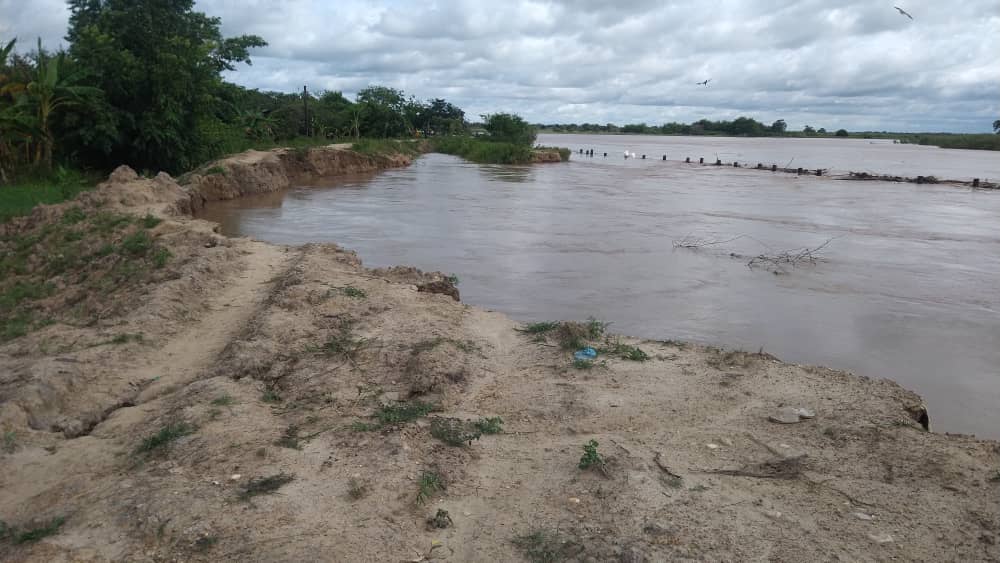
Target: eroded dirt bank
[[288, 404]]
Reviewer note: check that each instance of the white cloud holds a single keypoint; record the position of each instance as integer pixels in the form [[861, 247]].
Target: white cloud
[[856, 64]]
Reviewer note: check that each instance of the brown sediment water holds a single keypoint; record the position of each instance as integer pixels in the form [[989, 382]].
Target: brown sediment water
[[906, 289]]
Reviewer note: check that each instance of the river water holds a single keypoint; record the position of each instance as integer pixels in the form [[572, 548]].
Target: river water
[[908, 287]]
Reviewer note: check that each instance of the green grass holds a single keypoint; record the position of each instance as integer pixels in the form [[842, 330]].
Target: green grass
[[225, 400], [290, 438], [482, 151], [491, 425], [265, 485], [342, 344], [125, 338], [167, 435], [9, 442], [37, 533], [149, 221], [160, 257], [454, 431], [580, 363], [984, 141], [539, 328], [428, 484], [350, 291], [270, 396], [137, 244], [401, 413], [23, 194], [624, 351]]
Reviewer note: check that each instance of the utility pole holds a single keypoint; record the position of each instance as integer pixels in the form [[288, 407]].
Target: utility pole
[[305, 110]]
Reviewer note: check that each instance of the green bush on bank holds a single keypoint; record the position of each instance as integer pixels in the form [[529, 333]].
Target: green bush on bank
[[481, 151]]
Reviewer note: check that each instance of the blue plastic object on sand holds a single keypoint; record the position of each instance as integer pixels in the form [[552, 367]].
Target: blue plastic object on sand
[[587, 353]]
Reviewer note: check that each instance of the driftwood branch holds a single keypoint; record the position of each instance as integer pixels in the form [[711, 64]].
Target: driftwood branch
[[794, 258]]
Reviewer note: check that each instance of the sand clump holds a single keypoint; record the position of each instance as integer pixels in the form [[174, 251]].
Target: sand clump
[[289, 404]]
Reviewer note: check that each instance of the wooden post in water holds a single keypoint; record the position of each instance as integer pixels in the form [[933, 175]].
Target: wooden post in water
[[920, 179], [664, 157], [759, 166], [687, 160], [774, 168], [644, 157], [736, 164], [718, 162], [975, 182], [819, 171], [799, 171], [701, 160]]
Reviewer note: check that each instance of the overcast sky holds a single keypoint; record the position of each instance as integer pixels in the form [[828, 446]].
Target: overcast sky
[[857, 64]]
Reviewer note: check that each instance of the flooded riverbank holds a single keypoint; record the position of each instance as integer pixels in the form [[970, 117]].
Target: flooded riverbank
[[905, 290]]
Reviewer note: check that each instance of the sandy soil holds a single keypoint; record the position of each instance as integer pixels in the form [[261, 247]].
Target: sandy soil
[[274, 361]]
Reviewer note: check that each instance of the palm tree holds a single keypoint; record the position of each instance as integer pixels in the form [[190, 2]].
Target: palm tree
[[996, 126], [46, 94]]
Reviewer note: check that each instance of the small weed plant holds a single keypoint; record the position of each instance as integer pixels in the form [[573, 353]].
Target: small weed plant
[[428, 484], [490, 425], [454, 431], [167, 435], [590, 456], [38, 532]]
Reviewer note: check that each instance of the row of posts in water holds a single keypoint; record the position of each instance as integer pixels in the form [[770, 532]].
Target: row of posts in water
[[760, 166], [718, 162]]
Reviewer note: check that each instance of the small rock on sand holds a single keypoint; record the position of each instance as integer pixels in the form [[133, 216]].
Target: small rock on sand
[[790, 415]]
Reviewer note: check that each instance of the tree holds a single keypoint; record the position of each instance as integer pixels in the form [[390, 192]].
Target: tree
[[158, 63], [382, 112], [509, 128], [822, 131], [841, 133], [808, 130], [996, 126], [50, 91], [779, 126]]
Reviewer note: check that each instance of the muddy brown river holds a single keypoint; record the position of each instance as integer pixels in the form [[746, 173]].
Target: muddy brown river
[[908, 287]]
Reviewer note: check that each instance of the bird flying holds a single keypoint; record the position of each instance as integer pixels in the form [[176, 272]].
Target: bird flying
[[703, 83], [902, 11]]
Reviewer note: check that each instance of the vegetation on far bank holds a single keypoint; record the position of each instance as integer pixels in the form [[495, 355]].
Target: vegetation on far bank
[[749, 127]]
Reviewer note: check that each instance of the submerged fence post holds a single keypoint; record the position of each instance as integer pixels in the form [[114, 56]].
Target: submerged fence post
[[701, 160], [687, 160], [664, 157], [774, 168], [798, 171], [819, 171], [718, 162], [975, 182]]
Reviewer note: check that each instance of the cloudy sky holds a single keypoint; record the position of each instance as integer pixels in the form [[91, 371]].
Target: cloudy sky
[[857, 64]]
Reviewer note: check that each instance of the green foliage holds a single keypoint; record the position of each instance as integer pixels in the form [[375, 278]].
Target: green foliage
[[160, 81], [484, 152], [540, 327], [137, 243], [624, 351], [581, 363], [24, 193], [401, 413], [125, 338], [509, 128], [36, 533], [590, 456], [351, 291], [949, 141], [270, 396], [841, 133], [161, 257], [428, 484], [149, 221], [164, 437], [375, 147], [342, 344], [490, 425], [224, 400], [454, 431]]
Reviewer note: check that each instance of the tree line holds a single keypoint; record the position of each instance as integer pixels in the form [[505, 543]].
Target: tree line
[[140, 83], [739, 127]]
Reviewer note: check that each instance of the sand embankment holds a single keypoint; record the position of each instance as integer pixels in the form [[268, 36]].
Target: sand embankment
[[273, 410]]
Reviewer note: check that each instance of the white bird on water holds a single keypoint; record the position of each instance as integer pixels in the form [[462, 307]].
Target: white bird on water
[[904, 12]]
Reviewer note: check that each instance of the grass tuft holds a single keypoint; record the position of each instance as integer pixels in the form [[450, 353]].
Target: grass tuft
[[428, 484], [402, 413], [539, 328], [164, 437], [590, 456], [491, 425], [35, 534], [149, 220]]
